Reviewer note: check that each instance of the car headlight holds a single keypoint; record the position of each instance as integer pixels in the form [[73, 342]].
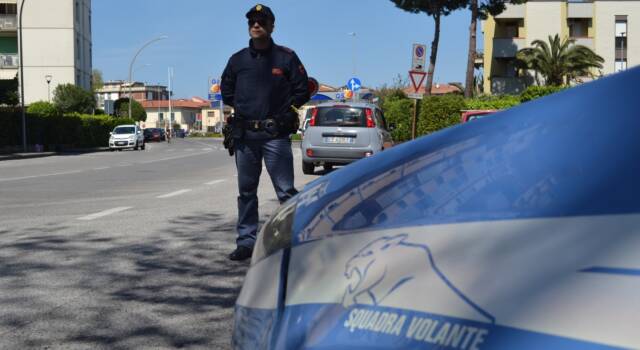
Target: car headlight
[[275, 233]]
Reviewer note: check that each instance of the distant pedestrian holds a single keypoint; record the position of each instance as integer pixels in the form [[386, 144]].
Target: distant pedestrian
[[263, 82]]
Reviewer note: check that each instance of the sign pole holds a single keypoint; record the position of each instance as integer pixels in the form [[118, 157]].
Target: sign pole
[[414, 123]]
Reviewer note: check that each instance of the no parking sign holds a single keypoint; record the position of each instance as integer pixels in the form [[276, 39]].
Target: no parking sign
[[418, 57]]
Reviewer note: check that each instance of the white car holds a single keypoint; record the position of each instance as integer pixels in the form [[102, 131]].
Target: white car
[[126, 136]]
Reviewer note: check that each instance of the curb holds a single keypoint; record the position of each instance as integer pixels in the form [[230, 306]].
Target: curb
[[48, 154]]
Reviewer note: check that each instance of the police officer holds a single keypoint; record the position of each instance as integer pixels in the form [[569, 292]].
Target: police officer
[[263, 83]]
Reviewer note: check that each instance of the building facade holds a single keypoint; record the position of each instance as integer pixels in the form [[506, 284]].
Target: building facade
[[56, 45], [183, 112], [605, 26]]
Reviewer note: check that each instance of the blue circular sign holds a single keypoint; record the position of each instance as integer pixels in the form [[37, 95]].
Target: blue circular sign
[[419, 51], [354, 84]]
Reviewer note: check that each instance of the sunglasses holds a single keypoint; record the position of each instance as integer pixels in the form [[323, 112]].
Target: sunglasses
[[261, 21]]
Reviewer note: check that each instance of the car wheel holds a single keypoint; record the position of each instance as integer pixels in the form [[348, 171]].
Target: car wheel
[[328, 167], [308, 168], [135, 148]]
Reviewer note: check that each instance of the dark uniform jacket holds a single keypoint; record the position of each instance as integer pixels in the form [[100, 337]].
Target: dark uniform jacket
[[264, 84]]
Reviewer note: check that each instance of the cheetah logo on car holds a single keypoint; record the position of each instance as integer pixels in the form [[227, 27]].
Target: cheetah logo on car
[[392, 271]]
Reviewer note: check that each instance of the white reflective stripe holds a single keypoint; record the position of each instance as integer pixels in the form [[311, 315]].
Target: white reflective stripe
[[261, 285], [521, 273]]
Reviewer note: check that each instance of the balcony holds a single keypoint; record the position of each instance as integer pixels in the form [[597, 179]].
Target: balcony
[[588, 42], [504, 85], [580, 9], [8, 61], [507, 47], [8, 22], [513, 12]]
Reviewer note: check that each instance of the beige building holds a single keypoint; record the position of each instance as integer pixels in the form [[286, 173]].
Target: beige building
[[161, 114], [56, 44], [607, 27], [113, 90], [211, 120]]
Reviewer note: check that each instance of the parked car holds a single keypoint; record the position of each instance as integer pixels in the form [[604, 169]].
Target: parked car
[[126, 136], [518, 232], [163, 134], [153, 134], [469, 115], [340, 133]]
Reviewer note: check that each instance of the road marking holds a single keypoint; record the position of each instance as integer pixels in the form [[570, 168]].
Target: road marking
[[104, 213], [214, 182], [171, 150], [35, 176], [189, 150], [173, 194], [207, 149], [103, 168]]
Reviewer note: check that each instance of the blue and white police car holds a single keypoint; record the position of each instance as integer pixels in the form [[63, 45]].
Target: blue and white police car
[[519, 231]]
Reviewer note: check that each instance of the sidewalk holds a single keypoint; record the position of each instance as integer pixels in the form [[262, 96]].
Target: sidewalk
[[26, 155]]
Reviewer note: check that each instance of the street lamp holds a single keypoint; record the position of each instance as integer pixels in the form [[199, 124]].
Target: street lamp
[[48, 77], [133, 61], [24, 119]]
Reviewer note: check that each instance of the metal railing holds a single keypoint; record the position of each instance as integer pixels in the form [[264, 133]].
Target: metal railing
[[9, 60], [8, 22]]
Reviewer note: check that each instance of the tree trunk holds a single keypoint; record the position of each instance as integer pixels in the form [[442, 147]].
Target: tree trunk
[[434, 54], [471, 60]]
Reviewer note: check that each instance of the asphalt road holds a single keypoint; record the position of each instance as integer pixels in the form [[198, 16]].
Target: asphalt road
[[122, 250]]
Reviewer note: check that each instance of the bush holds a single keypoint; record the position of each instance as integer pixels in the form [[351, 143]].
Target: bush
[[44, 109], [439, 112], [56, 132], [492, 102], [399, 111], [69, 98], [533, 92]]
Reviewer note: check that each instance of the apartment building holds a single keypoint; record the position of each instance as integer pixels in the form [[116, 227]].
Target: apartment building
[[606, 26], [113, 90], [56, 39]]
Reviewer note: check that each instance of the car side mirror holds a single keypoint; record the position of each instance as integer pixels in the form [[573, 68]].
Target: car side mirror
[[111, 133], [392, 126]]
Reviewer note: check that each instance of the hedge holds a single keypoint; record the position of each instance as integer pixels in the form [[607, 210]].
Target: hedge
[[56, 132]]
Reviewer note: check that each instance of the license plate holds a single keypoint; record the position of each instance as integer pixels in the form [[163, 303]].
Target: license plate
[[339, 140], [121, 143]]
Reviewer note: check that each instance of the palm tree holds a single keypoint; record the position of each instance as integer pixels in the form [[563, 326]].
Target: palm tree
[[560, 61]]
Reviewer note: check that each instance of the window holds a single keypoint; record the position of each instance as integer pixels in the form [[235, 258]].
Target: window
[[621, 35], [8, 9], [173, 117], [579, 28], [149, 95], [380, 119], [160, 116]]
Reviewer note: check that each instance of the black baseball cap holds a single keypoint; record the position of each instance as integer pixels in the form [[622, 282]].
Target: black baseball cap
[[261, 10]]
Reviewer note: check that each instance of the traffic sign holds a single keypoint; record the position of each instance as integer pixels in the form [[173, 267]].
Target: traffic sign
[[354, 84], [415, 95], [418, 57], [417, 77]]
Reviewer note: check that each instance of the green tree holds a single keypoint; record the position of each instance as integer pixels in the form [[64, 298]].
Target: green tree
[[96, 79], [9, 95], [69, 98], [559, 61], [121, 107], [480, 9], [436, 9], [439, 112]]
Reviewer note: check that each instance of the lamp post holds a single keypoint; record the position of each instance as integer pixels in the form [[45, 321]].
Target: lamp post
[[48, 78], [133, 61], [24, 119]]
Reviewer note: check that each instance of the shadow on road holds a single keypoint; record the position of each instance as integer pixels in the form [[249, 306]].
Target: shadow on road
[[169, 289]]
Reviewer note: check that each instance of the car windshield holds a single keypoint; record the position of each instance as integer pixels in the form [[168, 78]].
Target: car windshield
[[341, 116], [124, 130]]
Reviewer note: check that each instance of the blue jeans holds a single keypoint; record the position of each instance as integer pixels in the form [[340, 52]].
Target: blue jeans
[[278, 159]]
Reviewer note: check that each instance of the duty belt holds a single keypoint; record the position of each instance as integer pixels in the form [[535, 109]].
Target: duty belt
[[258, 125]]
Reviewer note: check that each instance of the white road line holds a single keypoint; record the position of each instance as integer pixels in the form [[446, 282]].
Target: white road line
[[35, 176], [103, 168], [171, 150], [214, 182], [173, 194], [170, 158], [104, 213], [207, 149], [189, 150]]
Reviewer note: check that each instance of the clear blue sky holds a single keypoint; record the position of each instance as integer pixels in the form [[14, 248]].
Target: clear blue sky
[[204, 33]]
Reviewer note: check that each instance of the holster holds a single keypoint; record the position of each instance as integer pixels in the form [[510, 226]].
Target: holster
[[228, 132]]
